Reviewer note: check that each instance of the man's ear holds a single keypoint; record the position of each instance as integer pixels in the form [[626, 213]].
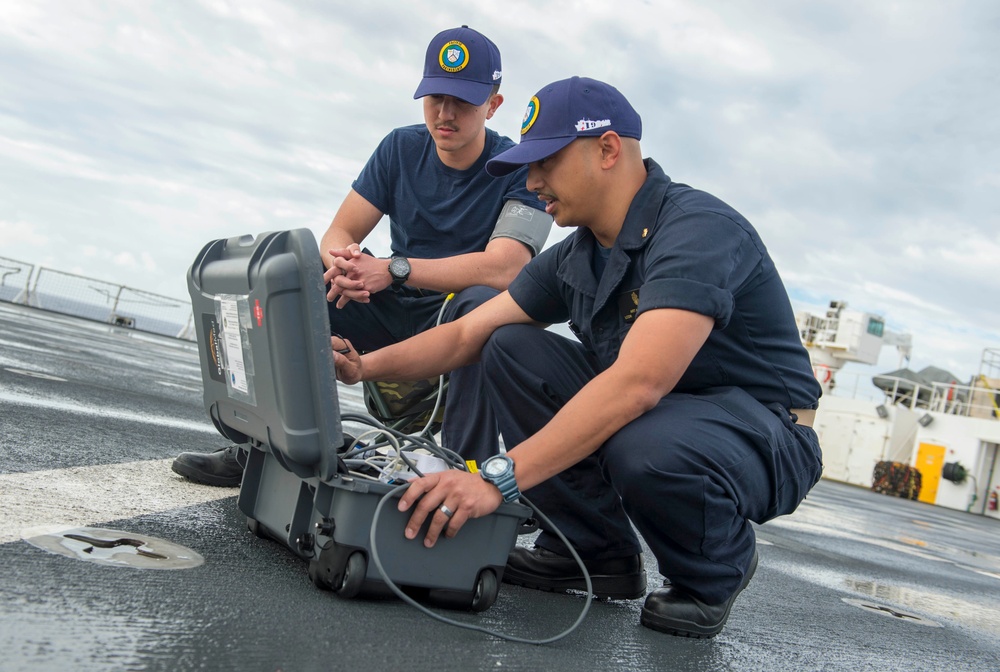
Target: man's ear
[[610, 144], [495, 101]]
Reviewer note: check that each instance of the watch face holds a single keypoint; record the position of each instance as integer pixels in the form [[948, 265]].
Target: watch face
[[399, 267], [495, 467]]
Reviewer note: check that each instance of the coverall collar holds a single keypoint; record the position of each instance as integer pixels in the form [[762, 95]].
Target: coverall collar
[[636, 231]]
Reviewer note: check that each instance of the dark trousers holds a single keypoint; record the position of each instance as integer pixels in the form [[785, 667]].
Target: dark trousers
[[690, 474], [470, 427]]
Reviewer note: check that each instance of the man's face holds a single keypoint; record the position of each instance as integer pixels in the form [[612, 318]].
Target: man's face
[[564, 182], [455, 124]]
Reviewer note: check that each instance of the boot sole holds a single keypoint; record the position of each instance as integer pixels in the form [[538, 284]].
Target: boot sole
[[205, 479], [679, 628], [606, 587], [682, 628]]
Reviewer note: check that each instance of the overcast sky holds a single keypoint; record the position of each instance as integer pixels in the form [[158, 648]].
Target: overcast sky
[[861, 138]]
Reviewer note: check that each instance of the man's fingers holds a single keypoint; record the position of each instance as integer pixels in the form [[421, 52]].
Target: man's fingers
[[339, 265], [347, 296], [444, 502], [455, 524], [416, 490], [340, 344], [441, 522], [352, 250], [342, 286], [338, 269], [413, 498], [344, 252]]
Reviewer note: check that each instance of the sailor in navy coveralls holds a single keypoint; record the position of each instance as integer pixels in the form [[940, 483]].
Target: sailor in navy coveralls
[[685, 407]]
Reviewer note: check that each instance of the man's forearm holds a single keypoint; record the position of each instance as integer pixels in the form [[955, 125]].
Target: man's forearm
[[433, 352], [495, 267], [354, 220], [444, 348]]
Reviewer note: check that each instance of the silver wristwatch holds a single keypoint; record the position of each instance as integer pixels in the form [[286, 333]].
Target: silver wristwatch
[[499, 470]]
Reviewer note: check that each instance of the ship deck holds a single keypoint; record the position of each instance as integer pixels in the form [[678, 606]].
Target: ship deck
[[93, 414]]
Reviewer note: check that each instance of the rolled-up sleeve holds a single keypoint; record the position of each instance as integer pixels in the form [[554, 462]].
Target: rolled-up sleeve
[[698, 264]]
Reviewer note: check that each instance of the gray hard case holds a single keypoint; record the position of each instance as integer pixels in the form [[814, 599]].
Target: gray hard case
[[262, 325]]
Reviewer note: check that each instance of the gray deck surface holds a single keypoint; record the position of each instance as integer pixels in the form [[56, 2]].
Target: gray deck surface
[[91, 416]]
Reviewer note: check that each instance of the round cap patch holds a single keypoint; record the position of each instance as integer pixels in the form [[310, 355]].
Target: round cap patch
[[454, 56], [530, 114]]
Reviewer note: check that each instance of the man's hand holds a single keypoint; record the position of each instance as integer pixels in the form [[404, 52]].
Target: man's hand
[[344, 276], [466, 495], [346, 360], [355, 276]]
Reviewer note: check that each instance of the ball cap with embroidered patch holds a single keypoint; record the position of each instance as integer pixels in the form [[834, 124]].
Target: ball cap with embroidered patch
[[463, 63], [560, 113]]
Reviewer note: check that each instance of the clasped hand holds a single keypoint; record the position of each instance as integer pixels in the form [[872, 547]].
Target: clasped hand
[[354, 276]]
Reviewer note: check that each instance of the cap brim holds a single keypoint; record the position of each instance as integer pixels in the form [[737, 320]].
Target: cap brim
[[528, 151], [475, 93]]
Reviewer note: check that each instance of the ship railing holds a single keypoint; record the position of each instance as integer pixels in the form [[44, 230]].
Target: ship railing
[[848, 384], [82, 296], [978, 399], [15, 277]]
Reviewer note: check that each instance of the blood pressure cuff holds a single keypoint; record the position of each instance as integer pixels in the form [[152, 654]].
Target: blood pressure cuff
[[522, 222]]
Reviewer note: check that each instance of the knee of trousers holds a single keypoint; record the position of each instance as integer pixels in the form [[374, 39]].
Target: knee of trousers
[[682, 510], [508, 344], [676, 493], [467, 300]]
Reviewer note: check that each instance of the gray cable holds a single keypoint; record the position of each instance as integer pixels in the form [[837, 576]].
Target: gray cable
[[397, 491], [456, 462], [440, 394]]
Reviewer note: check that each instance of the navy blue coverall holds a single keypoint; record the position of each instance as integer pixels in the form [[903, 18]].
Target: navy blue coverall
[[723, 448]]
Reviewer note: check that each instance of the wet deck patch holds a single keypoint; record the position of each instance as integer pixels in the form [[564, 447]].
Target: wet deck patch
[[892, 612], [113, 547]]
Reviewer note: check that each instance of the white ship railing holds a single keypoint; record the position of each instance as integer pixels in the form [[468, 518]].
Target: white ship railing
[[71, 294], [978, 399]]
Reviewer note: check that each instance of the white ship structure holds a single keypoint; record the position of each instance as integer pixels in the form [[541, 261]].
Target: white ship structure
[[923, 435]]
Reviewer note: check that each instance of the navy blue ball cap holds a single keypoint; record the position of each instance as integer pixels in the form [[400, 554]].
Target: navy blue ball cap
[[578, 107], [463, 63]]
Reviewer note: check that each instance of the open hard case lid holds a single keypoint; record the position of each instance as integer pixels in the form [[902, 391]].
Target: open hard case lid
[[260, 314]]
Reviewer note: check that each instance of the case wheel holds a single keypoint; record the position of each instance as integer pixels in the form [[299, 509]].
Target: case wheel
[[486, 591], [353, 577], [316, 576]]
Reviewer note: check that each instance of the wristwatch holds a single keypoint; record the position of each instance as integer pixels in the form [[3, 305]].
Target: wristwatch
[[399, 269], [499, 470]]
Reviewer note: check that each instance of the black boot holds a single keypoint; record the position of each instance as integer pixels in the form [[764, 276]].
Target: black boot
[[223, 467], [614, 578], [674, 612]]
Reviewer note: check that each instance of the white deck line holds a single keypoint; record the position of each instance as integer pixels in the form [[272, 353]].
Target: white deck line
[[105, 412], [92, 495]]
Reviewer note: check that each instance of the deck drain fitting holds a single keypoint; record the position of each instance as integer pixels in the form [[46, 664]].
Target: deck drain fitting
[[113, 547], [891, 612]]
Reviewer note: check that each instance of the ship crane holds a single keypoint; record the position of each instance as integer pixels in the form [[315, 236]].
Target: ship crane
[[842, 336]]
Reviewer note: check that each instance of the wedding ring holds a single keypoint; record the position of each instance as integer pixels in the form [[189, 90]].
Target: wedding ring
[[446, 511]]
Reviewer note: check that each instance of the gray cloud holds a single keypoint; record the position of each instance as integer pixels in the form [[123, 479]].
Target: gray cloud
[[860, 138]]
